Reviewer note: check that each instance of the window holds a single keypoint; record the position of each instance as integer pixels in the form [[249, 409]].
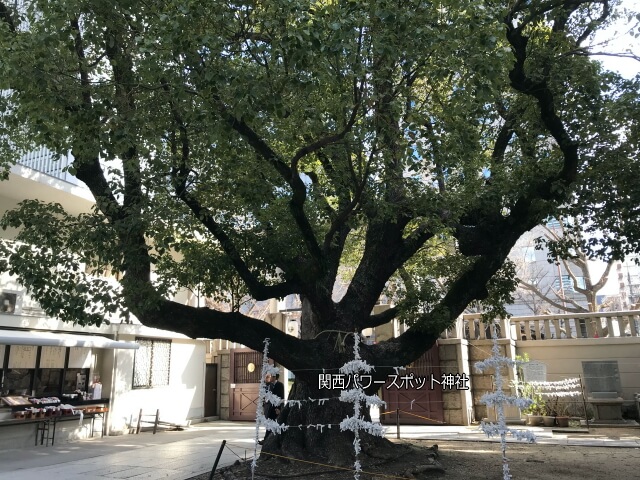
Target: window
[[47, 382], [567, 283], [73, 379], [553, 223], [151, 364], [18, 381], [42, 371]]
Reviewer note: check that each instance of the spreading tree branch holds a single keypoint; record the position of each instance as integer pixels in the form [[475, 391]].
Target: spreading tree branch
[[179, 174], [233, 326], [89, 170], [291, 176], [505, 135], [380, 318], [577, 308], [324, 142], [595, 23]]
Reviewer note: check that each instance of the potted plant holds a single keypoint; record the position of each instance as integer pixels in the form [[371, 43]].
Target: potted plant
[[550, 411], [536, 406], [562, 419], [536, 412]]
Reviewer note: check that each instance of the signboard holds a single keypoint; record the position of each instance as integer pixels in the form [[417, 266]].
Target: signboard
[[23, 356], [52, 357], [80, 357], [15, 400], [602, 376], [534, 371]]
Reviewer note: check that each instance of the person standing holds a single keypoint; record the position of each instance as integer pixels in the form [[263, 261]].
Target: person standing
[[272, 411], [278, 389]]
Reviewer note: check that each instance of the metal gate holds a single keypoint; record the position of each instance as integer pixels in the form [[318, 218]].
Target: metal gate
[[417, 406], [245, 365]]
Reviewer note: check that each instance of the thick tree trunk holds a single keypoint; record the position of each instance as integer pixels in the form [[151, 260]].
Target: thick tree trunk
[[314, 431], [314, 424]]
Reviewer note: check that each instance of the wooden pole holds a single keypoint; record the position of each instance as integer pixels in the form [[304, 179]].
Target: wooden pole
[[584, 402]]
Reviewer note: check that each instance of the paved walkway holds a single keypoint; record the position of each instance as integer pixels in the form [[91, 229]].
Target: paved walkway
[[596, 437], [181, 455]]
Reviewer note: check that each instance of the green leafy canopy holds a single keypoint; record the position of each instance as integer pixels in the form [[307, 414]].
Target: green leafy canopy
[[262, 148]]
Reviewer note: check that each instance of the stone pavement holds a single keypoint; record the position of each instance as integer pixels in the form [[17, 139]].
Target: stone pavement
[[182, 455]]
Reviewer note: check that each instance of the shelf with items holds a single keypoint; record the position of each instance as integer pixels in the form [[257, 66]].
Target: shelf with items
[[45, 401], [33, 410]]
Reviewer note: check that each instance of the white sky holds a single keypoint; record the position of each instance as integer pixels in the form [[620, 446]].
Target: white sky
[[620, 39]]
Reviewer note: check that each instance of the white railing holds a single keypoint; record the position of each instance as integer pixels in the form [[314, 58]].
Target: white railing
[[471, 327], [45, 161], [549, 327], [577, 325]]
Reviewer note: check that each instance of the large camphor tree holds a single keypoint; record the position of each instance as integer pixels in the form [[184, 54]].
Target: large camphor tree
[[265, 145]]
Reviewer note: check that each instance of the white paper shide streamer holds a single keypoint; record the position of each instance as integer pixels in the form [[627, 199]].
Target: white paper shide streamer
[[499, 399], [357, 396], [264, 395]]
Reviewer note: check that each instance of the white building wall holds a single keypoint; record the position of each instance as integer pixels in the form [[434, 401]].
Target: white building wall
[[180, 401]]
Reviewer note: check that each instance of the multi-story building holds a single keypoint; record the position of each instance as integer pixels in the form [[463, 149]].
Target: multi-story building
[[628, 282], [128, 366]]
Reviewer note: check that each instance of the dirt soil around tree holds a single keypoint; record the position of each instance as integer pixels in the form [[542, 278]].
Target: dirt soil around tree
[[469, 461]]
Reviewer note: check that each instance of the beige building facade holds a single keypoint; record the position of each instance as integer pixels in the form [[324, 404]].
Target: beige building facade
[[137, 368], [602, 349]]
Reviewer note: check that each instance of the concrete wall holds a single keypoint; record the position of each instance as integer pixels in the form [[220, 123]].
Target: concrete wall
[[23, 436], [484, 382], [564, 358]]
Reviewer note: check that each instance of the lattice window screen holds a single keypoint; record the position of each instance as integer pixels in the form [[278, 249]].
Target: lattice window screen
[[152, 361], [160, 363]]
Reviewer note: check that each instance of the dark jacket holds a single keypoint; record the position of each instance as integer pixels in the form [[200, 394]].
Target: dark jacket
[[277, 388]]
